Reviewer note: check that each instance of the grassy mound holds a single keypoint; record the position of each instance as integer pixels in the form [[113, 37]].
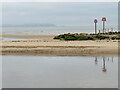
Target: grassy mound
[[85, 36]]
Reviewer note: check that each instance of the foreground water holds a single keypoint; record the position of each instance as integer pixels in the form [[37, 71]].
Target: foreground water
[[59, 72]]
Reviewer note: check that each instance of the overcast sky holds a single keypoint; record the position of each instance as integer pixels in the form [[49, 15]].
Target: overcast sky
[[69, 14]]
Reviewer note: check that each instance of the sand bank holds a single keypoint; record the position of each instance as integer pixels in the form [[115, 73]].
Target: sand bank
[[45, 45]]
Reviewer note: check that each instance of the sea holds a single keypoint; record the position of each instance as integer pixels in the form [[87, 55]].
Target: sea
[[56, 30], [57, 71]]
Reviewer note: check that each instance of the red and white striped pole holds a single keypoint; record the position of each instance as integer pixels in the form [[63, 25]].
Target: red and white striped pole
[[95, 21], [103, 19]]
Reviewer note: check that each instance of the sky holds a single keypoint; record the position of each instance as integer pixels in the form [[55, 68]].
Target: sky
[[59, 0], [58, 13]]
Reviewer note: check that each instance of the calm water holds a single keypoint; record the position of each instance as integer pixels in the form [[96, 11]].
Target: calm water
[[49, 30], [10, 39], [59, 72], [44, 30]]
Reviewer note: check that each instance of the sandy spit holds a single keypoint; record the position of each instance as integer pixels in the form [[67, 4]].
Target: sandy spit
[[45, 45]]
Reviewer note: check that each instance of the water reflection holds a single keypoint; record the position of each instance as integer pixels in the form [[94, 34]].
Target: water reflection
[[112, 59], [104, 62], [104, 68], [108, 58], [59, 72], [96, 62]]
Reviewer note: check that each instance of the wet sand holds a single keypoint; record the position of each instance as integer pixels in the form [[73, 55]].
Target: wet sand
[[46, 45]]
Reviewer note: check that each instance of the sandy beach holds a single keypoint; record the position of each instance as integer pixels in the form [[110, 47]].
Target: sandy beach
[[46, 45]]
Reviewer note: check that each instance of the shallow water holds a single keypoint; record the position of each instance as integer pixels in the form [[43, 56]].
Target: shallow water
[[10, 39], [59, 72], [45, 30]]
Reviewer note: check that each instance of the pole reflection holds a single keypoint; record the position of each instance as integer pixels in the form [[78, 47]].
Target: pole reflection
[[104, 67], [108, 58], [96, 62], [112, 59], [105, 60]]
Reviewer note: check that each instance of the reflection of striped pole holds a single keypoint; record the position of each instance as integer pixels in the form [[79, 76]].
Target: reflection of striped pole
[[95, 60], [104, 68], [112, 59]]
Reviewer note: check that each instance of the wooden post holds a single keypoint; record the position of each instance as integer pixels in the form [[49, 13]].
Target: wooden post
[[108, 30], [112, 30], [105, 30], [99, 31]]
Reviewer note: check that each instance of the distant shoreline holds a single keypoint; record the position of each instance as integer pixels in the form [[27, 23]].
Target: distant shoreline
[[45, 45]]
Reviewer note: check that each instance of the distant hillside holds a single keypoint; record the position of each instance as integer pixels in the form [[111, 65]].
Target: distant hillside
[[31, 25]]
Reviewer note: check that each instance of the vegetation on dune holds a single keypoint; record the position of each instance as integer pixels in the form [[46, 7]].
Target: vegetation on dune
[[85, 36]]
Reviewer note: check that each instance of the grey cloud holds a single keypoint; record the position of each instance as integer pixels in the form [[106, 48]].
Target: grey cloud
[[58, 13]]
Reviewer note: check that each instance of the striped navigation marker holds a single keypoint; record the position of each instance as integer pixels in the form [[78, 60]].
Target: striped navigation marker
[[95, 21], [104, 19]]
